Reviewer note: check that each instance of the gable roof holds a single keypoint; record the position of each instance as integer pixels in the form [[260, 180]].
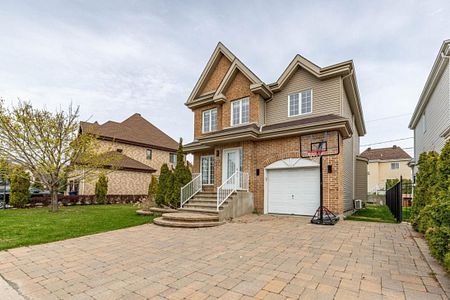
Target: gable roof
[[436, 71], [345, 69], [135, 131], [391, 153]]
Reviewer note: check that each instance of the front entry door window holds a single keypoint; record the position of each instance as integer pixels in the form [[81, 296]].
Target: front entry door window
[[232, 162], [207, 170]]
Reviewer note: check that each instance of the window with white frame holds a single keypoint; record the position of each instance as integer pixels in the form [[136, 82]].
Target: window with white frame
[[209, 120], [240, 111], [173, 158], [300, 103], [207, 168], [395, 166], [148, 154]]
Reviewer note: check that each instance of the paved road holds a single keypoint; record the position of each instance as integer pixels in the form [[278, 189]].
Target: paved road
[[264, 257]]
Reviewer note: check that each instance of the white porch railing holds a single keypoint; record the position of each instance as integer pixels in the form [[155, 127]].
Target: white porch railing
[[237, 181], [189, 190]]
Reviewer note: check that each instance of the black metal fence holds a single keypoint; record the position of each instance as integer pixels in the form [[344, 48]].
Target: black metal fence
[[394, 199]]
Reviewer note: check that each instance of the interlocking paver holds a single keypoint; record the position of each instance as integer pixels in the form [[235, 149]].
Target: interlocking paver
[[262, 257]]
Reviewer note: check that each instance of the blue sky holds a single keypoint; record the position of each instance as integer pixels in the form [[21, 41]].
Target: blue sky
[[114, 58]]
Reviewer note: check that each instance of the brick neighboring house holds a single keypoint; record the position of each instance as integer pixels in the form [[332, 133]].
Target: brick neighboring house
[[141, 149], [384, 164], [267, 131]]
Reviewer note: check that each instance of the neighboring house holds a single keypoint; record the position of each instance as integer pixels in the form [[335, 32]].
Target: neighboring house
[[431, 118], [268, 130], [384, 164], [139, 149]]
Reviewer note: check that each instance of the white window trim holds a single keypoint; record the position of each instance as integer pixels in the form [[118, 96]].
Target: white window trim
[[201, 169], [172, 154], [395, 163], [151, 154], [240, 112], [300, 103], [210, 120]]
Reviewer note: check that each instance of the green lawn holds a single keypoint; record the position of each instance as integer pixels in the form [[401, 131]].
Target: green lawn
[[406, 213], [23, 227], [373, 214]]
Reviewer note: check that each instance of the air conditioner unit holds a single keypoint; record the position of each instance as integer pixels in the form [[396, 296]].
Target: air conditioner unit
[[358, 204]]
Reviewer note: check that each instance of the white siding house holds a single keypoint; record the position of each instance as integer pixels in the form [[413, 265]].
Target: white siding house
[[431, 118]]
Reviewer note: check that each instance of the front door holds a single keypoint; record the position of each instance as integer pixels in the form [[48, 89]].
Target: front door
[[231, 163]]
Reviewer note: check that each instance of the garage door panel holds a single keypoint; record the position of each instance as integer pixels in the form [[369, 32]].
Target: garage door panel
[[293, 191]]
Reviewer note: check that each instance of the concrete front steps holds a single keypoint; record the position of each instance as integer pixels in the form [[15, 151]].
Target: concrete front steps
[[200, 211], [188, 220]]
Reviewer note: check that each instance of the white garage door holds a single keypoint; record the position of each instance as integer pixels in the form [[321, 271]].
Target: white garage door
[[293, 191]]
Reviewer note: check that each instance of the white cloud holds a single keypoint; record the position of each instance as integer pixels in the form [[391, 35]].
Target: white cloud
[[114, 58]]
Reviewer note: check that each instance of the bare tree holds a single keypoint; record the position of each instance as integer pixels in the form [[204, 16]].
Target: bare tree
[[47, 144]]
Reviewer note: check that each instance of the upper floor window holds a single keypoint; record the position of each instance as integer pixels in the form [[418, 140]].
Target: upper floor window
[[173, 158], [240, 111], [148, 154], [395, 166], [209, 120], [300, 103]]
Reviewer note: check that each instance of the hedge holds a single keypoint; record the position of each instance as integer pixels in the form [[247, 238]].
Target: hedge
[[85, 200]]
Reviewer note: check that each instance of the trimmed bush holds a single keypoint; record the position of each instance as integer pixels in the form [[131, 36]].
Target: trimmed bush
[[424, 220], [443, 167], [164, 183], [153, 188], [447, 261], [182, 176], [426, 181], [101, 189], [438, 240], [20, 187]]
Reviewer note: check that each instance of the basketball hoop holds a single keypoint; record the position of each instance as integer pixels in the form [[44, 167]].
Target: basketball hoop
[[323, 215]]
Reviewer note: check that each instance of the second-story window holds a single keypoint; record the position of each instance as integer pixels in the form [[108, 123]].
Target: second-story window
[[395, 166], [240, 111], [209, 120], [148, 154], [300, 103]]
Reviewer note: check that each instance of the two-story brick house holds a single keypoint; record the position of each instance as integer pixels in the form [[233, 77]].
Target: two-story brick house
[[267, 131], [139, 149]]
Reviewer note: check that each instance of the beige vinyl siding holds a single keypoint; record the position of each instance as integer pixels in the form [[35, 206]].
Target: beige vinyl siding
[[326, 97], [350, 152], [361, 179], [437, 118]]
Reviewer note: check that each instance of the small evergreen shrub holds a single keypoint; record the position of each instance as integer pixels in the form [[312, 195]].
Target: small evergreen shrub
[[20, 187], [163, 185], [438, 240], [101, 189], [447, 261], [181, 176]]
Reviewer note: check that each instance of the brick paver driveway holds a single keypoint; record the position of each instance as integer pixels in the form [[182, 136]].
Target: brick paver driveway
[[263, 257]]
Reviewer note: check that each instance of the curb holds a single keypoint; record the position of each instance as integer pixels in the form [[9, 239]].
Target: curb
[[439, 273], [8, 292]]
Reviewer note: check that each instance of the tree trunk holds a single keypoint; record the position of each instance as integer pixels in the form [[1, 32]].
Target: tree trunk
[[54, 197]]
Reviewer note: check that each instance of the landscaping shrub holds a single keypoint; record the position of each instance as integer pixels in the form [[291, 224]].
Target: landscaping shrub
[[20, 187], [447, 261], [101, 189], [153, 188], [164, 182], [443, 171], [426, 181], [181, 176], [438, 240]]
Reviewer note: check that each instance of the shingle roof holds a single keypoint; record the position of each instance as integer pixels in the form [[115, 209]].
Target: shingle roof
[[117, 160], [134, 130], [394, 152], [304, 121]]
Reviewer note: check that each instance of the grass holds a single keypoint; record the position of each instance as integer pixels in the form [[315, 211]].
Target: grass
[[373, 214], [406, 213], [24, 227]]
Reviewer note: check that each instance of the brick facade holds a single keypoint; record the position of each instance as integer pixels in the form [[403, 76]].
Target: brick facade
[[258, 155]]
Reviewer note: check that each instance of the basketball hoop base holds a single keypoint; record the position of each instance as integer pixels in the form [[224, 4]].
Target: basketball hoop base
[[324, 216]]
